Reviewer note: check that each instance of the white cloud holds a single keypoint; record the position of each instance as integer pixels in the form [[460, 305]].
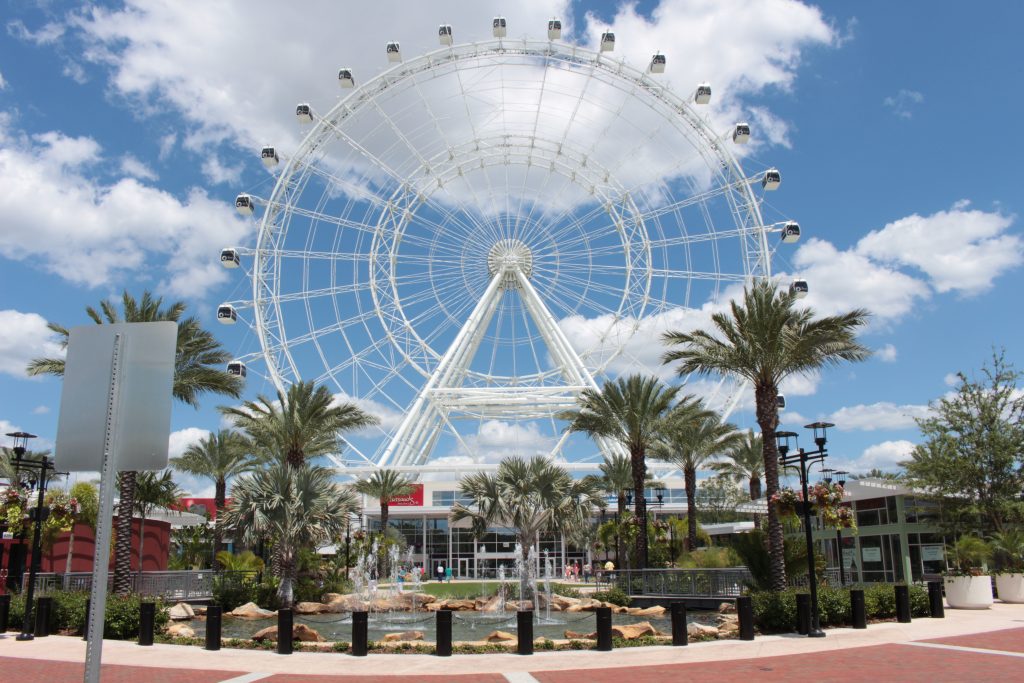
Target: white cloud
[[181, 439], [960, 249], [389, 417], [59, 215], [24, 336], [886, 354], [3, 83], [216, 172], [951, 379], [167, 143], [884, 456], [497, 440], [903, 102], [75, 72], [132, 166], [41, 410], [50, 33], [882, 415]]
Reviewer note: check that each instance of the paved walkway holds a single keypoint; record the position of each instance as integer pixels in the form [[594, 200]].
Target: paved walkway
[[966, 646]]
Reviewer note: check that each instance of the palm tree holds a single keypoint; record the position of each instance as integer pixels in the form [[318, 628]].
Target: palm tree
[[219, 457], [765, 340], [617, 478], [303, 423], [198, 369], [627, 412], [87, 496], [745, 463], [530, 496], [153, 490], [384, 485], [295, 507], [690, 436]]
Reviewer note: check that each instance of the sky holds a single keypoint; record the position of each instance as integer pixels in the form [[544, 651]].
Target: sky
[[128, 129]]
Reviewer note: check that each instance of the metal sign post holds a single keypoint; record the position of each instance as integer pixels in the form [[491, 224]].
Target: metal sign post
[[115, 412]]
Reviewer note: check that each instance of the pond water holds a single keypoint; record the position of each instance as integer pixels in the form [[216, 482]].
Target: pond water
[[465, 625]]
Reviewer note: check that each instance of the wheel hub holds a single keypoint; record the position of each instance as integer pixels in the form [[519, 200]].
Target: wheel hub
[[509, 256]]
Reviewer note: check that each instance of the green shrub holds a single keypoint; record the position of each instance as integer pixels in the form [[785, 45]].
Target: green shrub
[[879, 601], [68, 614], [919, 603], [834, 606], [233, 590], [774, 612], [565, 590], [614, 595]]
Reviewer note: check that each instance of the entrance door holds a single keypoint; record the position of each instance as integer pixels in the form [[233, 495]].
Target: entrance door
[[464, 567]]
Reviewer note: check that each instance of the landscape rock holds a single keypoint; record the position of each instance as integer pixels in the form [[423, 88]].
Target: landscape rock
[[404, 635], [575, 608], [695, 629], [459, 605], [564, 602], [251, 610], [300, 632], [655, 611], [727, 608], [499, 637], [180, 631], [573, 635], [309, 607], [492, 605], [634, 631], [181, 612], [200, 610]]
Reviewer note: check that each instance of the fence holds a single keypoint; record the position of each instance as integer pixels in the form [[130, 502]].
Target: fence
[[705, 583], [171, 585]]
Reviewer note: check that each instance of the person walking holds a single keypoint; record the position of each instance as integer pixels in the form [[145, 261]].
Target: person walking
[[448, 574], [440, 573], [586, 573]]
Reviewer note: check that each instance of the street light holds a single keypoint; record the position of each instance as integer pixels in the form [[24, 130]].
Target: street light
[[805, 459], [44, 465]]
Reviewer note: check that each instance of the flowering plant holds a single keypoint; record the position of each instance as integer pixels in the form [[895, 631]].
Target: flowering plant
[[13, 506], [63, 511], [786, 501], [838, 517]]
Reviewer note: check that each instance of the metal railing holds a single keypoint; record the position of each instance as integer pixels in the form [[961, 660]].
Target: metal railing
[[192, 584], [705, 583]]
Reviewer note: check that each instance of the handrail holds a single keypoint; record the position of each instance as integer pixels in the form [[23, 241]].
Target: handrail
[[187, 584]]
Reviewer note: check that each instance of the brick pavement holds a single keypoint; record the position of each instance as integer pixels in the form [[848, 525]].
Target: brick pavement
[[1011, 640], [43, 671]]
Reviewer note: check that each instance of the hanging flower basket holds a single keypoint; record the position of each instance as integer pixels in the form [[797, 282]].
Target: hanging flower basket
[[838, 517], [13, 507], [786, 502]]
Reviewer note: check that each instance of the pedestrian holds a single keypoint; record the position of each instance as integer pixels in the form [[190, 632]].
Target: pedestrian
[[440, 573], [448, 574], [586, 573], [576, 571]]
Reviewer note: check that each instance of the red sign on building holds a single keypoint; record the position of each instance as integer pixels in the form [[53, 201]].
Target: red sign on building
[[414, 499]]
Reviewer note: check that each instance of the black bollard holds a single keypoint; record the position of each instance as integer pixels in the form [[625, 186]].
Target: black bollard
[[42, 628], [5, 612], [147, 617], [214, 616], [858, 615], [85, 626], [935, 606], [679, 633], [902, 604], [524, 631], [604, 629], [360, 629], [285, 626], [444, 633], [803, 613], [745, 612]]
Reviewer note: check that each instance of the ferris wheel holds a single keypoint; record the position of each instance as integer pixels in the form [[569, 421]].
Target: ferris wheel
[[468, 240]]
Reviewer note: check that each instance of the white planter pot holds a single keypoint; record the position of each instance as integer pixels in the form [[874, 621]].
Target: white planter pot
[[1010, 587], [969, 592]]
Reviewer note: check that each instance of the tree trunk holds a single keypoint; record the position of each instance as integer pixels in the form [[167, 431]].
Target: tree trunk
[[219, 499], [755, 493], [690, 479], [123, 546], [620, 551], [639, 465], [524, 575], [766, 396], [285, 592], [385, 557], [142, 538], [71, 550]]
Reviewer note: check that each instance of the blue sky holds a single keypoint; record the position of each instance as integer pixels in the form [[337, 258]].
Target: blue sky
[[126, 130]]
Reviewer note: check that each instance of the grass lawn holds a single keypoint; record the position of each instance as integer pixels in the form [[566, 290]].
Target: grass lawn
[[459, 589]]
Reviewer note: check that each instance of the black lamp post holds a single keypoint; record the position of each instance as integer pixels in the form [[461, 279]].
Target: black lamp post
[[44, 465], [805, 459]]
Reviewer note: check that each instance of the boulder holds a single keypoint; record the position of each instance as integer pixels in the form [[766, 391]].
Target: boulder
[[200, 610], [181, 612], [299, 632], [634, 631], [576, 608], [251, 610], [180, 631], [728, 628], [433, 607], [493, 604], [499, 637], [655, 611], [404, 635], [617, 609], [573, 635], [727, 608], [459, 605], [695, 629], [309, 607], [564, 603]]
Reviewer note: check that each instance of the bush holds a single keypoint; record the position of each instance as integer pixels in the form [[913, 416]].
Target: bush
[[775, 612], [68, 614], [232, 590], [616, 596], [565, 590]]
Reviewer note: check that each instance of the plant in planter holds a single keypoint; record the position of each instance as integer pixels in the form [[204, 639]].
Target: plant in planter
[[1008, 551], [786, 502], [967, 585]]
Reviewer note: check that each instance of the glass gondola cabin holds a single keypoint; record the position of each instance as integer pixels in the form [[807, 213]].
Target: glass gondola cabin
[[607, 41], [741, 133], [799, 288], [237, 368], [703, 94], [269, 157], [303, 113], [244, 204], [226, 314], [772, 179], [657, 64], [229, 258], [444, 34], [345, 78], [791, 232], [499, 27], [554, 29], [394, 52]]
